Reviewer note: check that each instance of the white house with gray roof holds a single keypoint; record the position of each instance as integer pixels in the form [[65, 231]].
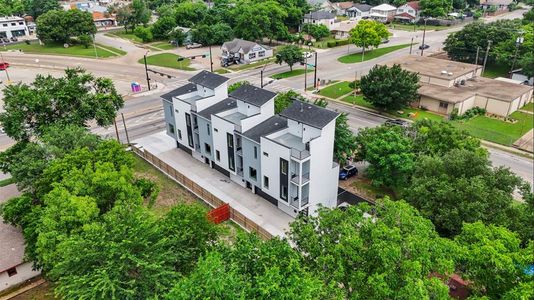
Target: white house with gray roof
[[321, 17], [287, 158], [359, 11], [244, 52]]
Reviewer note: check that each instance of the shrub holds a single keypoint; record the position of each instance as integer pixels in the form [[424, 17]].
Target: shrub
[[144, 33], [330, 44], [342, 42], [85, 40]]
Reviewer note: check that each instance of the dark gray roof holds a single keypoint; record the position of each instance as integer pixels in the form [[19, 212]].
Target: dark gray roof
[[186, 89], [252, 95], [320, 15], [309, 114], [218, 107], [208, 79], [362, 7], [273, 124], [234, 45]]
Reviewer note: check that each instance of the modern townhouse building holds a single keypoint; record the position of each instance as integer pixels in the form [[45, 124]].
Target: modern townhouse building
[[286, 159], [12, 26]]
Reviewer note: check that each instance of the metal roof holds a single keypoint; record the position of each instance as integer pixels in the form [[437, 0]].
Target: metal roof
[[309, 114], [185, 89], [208, 79], [273, 124], [252, 95], [218, 107]]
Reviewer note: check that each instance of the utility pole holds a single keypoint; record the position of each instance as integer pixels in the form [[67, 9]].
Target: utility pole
[[518, 43], [305, 73], [146, 71], [411, 44], [125, 130], [261, 73], [211, 61], [363, 50], [116, 130], [315, 73], [476, 58], [486, 56], [423, 42]]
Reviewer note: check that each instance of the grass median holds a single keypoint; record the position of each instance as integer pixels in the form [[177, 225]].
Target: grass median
[[337, 90], [370, 54], [73, 50], [167, 60], [288, 74]]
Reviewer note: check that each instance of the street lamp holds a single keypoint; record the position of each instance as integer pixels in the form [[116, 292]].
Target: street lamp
[[423, 42], [261, 74], [146, 70], [518, 42]]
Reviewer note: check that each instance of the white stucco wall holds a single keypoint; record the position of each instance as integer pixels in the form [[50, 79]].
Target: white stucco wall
[[24, 272], [220, 128]]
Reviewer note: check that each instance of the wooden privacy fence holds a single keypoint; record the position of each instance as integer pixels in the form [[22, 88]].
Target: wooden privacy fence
[[202, 193]]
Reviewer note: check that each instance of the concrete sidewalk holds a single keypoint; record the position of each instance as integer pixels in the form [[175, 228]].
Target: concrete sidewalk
[[241, 199]]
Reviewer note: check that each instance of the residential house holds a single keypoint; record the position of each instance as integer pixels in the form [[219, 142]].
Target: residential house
[[383, 13], [408, 12], [448, 85], [342, 31], [500, 6], [286, 158], [100, 14], [341, 7], [244, 52], [321, 17], [321, 5], [518, 75], [13, 27], [359, 11]]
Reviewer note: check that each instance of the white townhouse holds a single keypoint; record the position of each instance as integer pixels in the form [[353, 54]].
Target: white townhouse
[[287, 159], [383, 13], [359, 11], [321, 17], [408, 12], [244, 51], [13, 27]]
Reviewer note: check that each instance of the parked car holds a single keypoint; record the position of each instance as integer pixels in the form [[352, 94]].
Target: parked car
[[3, 66], [343, 206], [14, 39], [347, 171], [397, 122], [193, 46], [424, 46], [5, 40]]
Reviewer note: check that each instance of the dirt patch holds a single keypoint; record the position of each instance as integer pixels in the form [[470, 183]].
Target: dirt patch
[[43, 291], [363, 187]]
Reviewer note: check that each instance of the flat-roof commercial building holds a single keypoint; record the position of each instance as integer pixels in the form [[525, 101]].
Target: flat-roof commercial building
[[447, 85], [13, 27], [287, 159]]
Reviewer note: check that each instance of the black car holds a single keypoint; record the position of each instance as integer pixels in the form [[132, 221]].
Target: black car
[[14, 39], [347, 171], [397, 122], [424, 46]]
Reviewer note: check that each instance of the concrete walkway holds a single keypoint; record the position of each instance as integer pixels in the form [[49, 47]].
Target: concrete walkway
[[252, 206], [526, 142]]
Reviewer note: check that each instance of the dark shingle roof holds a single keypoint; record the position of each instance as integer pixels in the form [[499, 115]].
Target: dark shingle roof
[[186, 89], [309, 114], [208, 79], [252, 95], [320, 15], [218, 107], [273, 124], [363, 7], [234, 45]]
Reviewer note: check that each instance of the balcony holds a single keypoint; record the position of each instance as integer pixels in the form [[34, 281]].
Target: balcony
[[300, 155], [300, 180], [294, 201], [239, 171], [239, 151]]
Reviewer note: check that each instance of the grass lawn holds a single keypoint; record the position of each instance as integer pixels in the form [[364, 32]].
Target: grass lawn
[[221, 71], [252, 65], [418, 114], [358, 100], [168, 60], [336, 90], [408, 27], [6, 181], [288, 74], [122, 34], [528, 107], [116, 50], [498, 131], [371, 54], [56, 49], [163, 45], [496, 70]]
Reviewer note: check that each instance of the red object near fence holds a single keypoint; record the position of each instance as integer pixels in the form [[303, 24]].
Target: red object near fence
[[219, 214]]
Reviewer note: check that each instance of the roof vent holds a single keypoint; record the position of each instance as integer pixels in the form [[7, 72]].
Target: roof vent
[[276, 124], [443, 72], [450, 74]]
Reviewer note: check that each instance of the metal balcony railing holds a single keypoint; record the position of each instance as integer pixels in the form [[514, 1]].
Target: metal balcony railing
[[300, 180], [300, 155]]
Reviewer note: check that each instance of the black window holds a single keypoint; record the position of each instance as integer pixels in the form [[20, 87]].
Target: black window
[[443, 104], [265, 154], [12, 272], [217, 155], [255, 152], [283, 192], [170, 110], [207, 148], [252, 173], [179, 134], [216, 130], [231, 162], [208, 129], [230, 140], [283, 166], [171, 129], [266, 182]]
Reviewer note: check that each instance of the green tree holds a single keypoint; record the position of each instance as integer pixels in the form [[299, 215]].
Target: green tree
[[85, 40], [527, 65], [74, 99], [140, 14], [389, 152], [492, 257], [178, 36], [284, 100], [144, 33], [276, 29], [528, 17], [438, 138], [344, 140], [124, 17], [382, 252], [317, 31], [188, 14], [290, 55], [40, 7], [461, 186], [234, 86], [390, 88], [368, 33], [212, 34], [234, 275], [163, 27], [436, 8], [59, 25], [249, 21]]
